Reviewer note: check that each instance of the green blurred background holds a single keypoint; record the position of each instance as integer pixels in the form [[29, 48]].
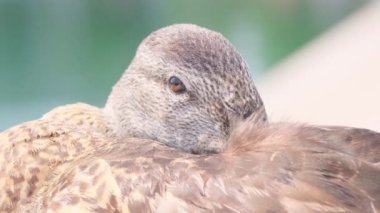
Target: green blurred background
[[54, 52]]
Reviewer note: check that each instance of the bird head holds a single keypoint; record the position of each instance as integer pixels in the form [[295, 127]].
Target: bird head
[[187, 87]]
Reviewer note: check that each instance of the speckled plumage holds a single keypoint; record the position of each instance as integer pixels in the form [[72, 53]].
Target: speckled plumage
[[73, 159]]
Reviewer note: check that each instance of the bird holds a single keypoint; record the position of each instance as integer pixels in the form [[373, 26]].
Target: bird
[[185, 130]]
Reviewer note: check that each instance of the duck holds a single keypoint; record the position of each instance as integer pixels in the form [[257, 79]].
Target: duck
[[185, 130]]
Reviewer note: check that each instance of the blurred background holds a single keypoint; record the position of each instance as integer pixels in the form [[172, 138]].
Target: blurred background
[[58, 52]]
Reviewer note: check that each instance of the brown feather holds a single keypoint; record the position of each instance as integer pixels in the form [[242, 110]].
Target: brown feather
[[278, 168], [135, 154]]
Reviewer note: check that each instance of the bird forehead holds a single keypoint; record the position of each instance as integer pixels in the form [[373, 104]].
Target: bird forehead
[[197, 50]]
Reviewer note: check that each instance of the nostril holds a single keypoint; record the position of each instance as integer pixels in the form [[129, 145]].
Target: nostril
[[248, 113]]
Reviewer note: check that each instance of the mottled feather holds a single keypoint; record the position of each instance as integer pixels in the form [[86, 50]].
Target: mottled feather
[[274, 168], [151, 150]]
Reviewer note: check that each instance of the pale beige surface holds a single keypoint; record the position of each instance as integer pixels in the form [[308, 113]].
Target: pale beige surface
[[333, 80]]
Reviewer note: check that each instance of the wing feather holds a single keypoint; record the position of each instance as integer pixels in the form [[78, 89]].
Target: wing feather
[[283, 172], [68, 161]]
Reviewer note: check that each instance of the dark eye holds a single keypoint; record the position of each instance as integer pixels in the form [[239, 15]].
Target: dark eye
[[176, 85]]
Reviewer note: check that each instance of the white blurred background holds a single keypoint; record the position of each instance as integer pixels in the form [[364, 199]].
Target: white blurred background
[[334, 80]]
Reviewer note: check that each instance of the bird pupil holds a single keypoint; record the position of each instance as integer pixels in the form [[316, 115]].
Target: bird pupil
[[175, 80], [176, 84]]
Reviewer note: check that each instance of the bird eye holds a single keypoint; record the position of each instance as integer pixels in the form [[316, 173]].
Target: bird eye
[[176, 85]]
